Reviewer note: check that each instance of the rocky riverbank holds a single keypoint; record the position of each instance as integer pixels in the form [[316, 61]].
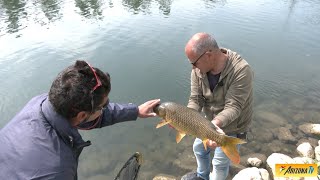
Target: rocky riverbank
[[259, 166]]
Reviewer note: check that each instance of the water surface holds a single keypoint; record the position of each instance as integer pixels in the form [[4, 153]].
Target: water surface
[[141, 44]]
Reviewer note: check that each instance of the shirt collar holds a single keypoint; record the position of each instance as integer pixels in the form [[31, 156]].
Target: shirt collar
[[65, 130]]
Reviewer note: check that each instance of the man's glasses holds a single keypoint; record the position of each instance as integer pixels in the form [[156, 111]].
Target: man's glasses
[[194, 63], [97, 121], [95, 87]]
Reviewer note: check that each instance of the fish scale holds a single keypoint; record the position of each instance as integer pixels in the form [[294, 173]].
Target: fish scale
[[181, 117], [191, 122]]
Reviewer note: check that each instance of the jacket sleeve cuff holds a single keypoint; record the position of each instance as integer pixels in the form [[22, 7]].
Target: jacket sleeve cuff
[[222, 120], [117, 113], [133, 112]]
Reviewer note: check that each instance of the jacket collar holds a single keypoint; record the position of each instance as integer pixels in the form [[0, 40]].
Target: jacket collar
[[233, 58], [69, 134]]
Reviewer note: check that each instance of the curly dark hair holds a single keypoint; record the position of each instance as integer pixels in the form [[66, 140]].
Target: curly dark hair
[[71, 91]]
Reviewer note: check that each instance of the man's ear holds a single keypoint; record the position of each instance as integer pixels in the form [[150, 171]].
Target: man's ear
[[81, 116]]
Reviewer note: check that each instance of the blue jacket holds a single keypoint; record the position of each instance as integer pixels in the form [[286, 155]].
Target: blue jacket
[[38, 143]]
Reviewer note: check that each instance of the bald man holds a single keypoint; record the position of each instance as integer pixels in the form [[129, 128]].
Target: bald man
[[222, 88]]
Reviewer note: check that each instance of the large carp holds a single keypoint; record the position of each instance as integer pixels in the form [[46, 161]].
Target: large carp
[[191, 122]]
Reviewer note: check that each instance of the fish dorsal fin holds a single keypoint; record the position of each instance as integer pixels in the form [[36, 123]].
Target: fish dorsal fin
[[179, 136], [163, 123]]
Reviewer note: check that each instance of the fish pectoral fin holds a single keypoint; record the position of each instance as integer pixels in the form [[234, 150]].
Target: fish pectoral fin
[[162, 123], [179, 136], [205, 143]]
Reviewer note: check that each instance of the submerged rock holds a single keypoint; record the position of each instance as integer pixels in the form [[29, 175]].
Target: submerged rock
[[265, 135], [249, 148], [275, 146], [313, 141], [309, 128], [270, 118], [285, 135], [188, 162]]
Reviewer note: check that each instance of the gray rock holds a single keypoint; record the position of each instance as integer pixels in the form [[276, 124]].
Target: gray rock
[[251, 173], [312, 141], [309, 128], [254, 162], [299, 134], [285, 135], [305, 150], [262, 157], [305, 128], [277, 158], [264, 174], [164, 177]]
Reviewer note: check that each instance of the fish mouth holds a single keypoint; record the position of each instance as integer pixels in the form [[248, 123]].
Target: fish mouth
[[156, 109]]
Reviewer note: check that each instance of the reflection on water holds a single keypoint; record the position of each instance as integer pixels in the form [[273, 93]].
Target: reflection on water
[[137, 5], [144, 5], [51, 9], [17, 14], [164, 6], [90, 8], [14, 11]]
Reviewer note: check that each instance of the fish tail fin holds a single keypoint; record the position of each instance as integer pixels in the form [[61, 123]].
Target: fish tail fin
[[230, 148]]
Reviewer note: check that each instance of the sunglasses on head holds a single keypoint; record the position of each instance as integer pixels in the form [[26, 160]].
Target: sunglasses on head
[[95, 87]]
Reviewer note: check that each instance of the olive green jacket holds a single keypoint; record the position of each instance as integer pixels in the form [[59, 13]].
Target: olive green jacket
[[232, 98]]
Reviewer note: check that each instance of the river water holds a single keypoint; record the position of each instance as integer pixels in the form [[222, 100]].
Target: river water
[[141, 44]]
